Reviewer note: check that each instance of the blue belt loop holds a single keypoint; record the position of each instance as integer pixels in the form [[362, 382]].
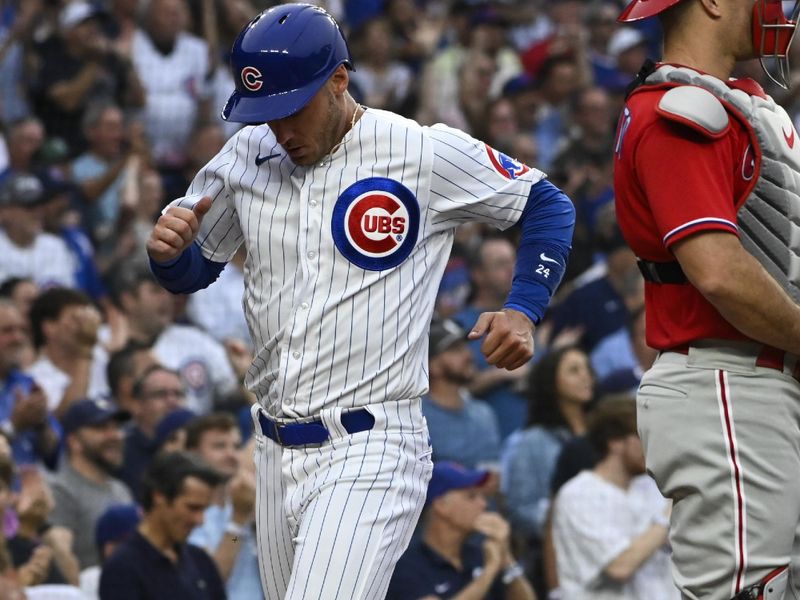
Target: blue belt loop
[[312, 432]]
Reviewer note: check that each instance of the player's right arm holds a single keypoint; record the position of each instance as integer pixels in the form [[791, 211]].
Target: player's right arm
[[740, 288], [187, 249]]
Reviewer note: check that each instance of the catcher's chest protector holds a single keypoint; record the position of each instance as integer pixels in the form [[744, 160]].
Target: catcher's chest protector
[[769, 220]]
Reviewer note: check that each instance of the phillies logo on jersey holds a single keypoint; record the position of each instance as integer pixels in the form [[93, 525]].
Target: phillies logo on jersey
[[375, 223], [508, 167], [251, 78]]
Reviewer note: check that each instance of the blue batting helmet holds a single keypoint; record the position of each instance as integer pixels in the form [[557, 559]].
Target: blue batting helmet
[[281, 59]]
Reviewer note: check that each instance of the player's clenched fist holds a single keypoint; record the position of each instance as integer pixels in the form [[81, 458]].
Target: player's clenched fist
[[175, 230], [509, 338]]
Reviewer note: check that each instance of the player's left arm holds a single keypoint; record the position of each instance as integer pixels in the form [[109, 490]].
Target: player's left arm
[[547, 224]]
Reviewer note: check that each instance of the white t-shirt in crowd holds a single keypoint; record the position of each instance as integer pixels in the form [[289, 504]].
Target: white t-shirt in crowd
[[54, 382], [218, 308], [48, 261], [174, 83], [201, 361], [594, 521]]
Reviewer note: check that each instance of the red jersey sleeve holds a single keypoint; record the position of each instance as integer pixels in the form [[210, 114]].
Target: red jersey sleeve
[[688, 180]]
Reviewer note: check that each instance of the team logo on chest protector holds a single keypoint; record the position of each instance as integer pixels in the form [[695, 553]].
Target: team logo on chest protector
[[508, 167], [375, 223]]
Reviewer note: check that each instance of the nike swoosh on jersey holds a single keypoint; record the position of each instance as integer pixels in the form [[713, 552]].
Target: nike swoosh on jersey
[[263, 159], [789, 138], [545, 258]]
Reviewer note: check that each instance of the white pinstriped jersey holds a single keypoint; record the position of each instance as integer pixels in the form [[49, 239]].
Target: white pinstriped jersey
[[344, 258]]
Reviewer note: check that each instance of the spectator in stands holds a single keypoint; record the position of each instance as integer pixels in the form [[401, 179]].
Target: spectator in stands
[[491, 271], [61, 220], [25, 139], [115, 525], [102, 169], [558, 80], [21, 291], [384, 81], [561, 387], [156, 392], [620, 359], [600, 19], [173, 66], [201, 361], [448, 562], [71, 364], [27, 251], [124, 368], [218, 308], [628, 47], [76, 67], [171, 430], [602, 305], [610, 524], [156, 562], [206, 141], [228, 529], [462, 429], [502, 125], [24, 419], [33, 508], [84, 486]]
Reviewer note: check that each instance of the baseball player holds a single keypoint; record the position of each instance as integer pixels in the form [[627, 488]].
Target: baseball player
[[347, 215], [707, 176]]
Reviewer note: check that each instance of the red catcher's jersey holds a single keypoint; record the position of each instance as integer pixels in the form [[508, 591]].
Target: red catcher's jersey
[[672, 182]]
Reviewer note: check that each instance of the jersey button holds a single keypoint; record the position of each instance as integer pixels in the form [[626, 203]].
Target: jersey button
[[313, 203], [311, 254], [304, 306], [296, 354]]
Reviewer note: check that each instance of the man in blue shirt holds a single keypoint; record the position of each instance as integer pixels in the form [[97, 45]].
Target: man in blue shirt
[[156, 563], [447, 563], [33, 433], [462, 429]]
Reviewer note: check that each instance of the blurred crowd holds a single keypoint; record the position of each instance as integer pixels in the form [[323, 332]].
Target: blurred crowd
[[124, 422]]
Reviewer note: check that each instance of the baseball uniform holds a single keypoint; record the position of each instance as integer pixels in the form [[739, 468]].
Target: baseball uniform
[[718, 413]]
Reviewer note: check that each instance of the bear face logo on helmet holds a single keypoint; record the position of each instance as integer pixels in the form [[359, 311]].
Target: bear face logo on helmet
[[281, 59], [773, 30]]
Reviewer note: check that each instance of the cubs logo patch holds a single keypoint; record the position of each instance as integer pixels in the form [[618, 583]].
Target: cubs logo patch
[[251, 79], [508, 167], [375, 223]]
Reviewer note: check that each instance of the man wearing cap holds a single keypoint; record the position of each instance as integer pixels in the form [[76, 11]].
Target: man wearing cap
[[83, 487], [447, 563], [114, 526], [26, 250], [462, 429]]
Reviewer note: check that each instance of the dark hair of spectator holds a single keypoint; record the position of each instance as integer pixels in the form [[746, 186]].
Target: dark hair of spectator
[[212, 422], [543, 408], [138, 385], [167, 473], [612, 419], [49, 305], [9, 285], [94, 112], [127, 276], [550, 65], [121, 363]]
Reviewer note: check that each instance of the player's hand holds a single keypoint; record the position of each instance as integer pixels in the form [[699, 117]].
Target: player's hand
[[175, 230], [509, 338]]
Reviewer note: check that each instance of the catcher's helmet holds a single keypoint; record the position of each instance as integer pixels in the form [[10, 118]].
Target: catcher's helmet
[[281, 59]]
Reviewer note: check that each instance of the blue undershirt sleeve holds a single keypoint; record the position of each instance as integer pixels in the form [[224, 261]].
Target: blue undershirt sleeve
[[190, 272], [547, 224]]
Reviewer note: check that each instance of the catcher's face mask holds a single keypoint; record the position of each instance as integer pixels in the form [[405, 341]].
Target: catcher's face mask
[[774, 24]]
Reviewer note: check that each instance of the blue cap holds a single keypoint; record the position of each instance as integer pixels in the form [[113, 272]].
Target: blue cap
[[86, 413], [449, 476], [116, 523], [170, 423]]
